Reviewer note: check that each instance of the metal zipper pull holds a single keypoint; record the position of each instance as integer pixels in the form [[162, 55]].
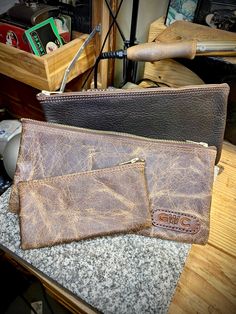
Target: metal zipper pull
[[199, 143], [48, 93], [132, 161]]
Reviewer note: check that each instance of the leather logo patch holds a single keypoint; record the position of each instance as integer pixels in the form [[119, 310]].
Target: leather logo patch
[[176, 221]]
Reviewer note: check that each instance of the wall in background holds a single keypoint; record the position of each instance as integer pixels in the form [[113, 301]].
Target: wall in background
[[149, 11]]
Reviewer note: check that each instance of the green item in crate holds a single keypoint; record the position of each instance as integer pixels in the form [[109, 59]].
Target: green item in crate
[[44, 37]]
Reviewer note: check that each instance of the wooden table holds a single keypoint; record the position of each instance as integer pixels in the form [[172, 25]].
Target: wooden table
[[208, 282]]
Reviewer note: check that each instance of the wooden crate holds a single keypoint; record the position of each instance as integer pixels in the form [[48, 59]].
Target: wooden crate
[[46, 72]]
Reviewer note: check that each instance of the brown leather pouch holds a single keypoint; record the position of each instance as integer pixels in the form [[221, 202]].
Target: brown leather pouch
[[83, 205], [196, 113], [179, 174]]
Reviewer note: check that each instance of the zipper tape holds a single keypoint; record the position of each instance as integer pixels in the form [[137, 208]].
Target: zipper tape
[[113, 133]]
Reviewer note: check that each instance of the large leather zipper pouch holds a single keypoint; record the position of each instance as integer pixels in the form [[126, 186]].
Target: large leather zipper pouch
[[196, 113], [179, 174]]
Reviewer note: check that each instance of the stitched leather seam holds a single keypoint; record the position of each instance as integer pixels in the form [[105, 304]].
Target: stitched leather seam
[[175, 227], [68, 177], [174, 212], [113, 94], [101, 97], [181, 146]]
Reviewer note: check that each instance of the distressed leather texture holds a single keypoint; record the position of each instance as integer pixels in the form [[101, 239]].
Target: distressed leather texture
[[179, 175], [83, 205], [196, 113]]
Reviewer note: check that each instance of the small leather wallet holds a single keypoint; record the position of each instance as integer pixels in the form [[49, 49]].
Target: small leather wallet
[[83, 205]]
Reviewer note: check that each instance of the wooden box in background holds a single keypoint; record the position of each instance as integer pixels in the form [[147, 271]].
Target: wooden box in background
[[45, 72], [23, 75]]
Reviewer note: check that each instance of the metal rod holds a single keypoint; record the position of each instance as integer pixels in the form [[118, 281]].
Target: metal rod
[[77, 55], [131, 66], [211, 46], [134, 21]]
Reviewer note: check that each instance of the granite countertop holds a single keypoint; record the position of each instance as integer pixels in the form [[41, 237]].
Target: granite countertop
[[120, 274]]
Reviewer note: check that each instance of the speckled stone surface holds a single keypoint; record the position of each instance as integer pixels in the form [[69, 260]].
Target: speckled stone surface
[[120, 274]]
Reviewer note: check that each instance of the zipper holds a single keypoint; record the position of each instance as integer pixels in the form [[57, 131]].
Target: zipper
[[94, 90], [199, 143], [132, 161], [113, 133], [118, 91], [48, 93]]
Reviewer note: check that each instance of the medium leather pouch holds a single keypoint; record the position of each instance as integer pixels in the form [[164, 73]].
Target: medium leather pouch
[[179, 175], [83, 205], [196, 113]]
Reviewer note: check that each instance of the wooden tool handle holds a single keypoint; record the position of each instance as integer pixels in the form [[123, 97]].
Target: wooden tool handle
[[158, 51]]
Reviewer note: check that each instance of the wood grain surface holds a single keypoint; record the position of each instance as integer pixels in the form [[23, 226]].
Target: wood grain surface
[[171, 73], [45, 72], [168, 71]]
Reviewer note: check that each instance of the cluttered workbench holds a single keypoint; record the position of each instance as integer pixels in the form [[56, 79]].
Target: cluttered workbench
[[136, 274]]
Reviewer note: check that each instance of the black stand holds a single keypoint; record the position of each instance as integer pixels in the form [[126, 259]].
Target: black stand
[[130, 67]]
